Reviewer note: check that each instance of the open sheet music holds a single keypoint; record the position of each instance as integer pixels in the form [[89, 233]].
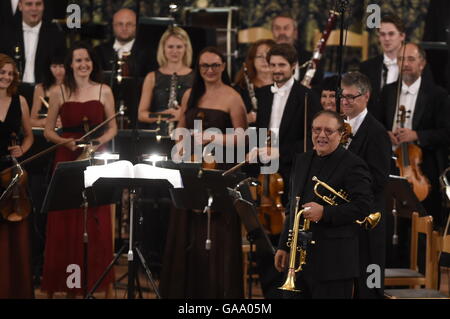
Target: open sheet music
[[125, 169]]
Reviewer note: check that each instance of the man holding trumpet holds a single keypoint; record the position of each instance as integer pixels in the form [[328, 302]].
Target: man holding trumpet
[[320, 177]]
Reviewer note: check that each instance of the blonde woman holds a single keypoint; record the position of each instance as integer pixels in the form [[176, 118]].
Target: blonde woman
[[174, 56]]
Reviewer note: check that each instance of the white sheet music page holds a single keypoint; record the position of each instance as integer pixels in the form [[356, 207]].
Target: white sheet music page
[[125, 169]]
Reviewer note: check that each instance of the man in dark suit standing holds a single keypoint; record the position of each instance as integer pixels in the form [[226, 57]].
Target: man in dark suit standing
[[9, 12], [281, 108], [371, 143], [383, 68], [427, 122], [139, 59], [32, 42], [331, 264], [284, 30]]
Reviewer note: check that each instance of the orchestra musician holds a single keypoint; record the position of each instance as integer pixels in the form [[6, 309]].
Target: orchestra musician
[[328, 93], [427, 121], [332, 261], [369, 137], [189, 270], [15, 252], [256, 69], [53, 77], [174, 57], [80, 101]]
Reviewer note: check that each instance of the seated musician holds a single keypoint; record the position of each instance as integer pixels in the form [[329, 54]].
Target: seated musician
[[53, 76], [332, 261]]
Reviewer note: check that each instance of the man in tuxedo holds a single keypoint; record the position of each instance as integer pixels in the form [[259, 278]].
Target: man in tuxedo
[[139, 59], [383, 68], [332, 255], [284, 30], [9, 13], [370, 141], [281, 108], [427, 121], [32, 42]]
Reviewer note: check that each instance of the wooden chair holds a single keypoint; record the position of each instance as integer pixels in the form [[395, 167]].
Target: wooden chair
[[411, 276], [251, 35], [438, 245], [352, 39]]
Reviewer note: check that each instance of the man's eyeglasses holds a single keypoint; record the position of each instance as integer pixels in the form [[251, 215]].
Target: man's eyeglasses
[[214, 66], [349, 98], [387, 34], [328, 132]]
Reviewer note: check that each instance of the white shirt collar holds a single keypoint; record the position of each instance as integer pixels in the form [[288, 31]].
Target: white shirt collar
[[413, 88], [388, 61], [355, 122], [286, 88], [123, 47], [14, 5], [34, 29]]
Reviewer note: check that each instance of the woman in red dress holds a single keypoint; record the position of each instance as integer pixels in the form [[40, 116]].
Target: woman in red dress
[[81, 98]]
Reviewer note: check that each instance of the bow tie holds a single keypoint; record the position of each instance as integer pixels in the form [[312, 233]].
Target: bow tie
[[406, 90], [389, 62], [276, 90], [30, 29]]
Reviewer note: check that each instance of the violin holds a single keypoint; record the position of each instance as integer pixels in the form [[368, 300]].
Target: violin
[[269, 192], [347, 134], [409, 157], [15, 205]]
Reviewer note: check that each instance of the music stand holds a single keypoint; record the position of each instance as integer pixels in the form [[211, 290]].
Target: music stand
[[401, 201], [115, 186], [72, 196], [255, 232]]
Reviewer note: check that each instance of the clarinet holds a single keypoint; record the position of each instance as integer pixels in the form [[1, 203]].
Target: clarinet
[[251, 90], [173, 103]]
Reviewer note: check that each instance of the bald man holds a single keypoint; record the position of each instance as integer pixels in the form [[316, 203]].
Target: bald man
[[141, 59]]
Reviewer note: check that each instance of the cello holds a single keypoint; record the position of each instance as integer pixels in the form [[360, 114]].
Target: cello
[[15, 203]]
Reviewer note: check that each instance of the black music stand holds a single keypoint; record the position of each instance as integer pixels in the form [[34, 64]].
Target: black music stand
[[402, 202], [255, 232], [72, 196], [115, 186]]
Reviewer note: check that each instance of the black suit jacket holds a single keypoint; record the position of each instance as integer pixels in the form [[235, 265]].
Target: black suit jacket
[[431, 121], [335, 253], [373, 69], [372, 144], [6, 16], [51, 42], [141, 60], [291, 133]]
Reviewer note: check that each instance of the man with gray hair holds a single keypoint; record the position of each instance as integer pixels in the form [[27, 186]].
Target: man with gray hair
[[370, 141]]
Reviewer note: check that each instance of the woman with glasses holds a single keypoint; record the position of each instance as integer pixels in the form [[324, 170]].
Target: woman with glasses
[[190, 270], [168, 83], [258, 73]]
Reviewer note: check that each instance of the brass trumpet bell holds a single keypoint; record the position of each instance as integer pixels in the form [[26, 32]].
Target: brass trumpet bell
[[370, 221]]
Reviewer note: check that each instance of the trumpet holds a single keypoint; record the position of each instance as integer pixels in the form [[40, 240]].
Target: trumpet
[[299, 239], [369, 222]]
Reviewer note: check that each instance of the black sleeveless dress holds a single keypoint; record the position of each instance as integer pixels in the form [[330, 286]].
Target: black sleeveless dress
[[15, 253], [189, 270]]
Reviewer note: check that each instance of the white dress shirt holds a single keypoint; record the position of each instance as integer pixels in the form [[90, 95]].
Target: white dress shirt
[[30, 41], [121, 48], [408, 98], [392, 67], [14, 4], [280, 97], [355, 123]]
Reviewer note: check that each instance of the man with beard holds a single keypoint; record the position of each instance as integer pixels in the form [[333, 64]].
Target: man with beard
[[427, 122], [139, 59], [284, 30], [281, 108]]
